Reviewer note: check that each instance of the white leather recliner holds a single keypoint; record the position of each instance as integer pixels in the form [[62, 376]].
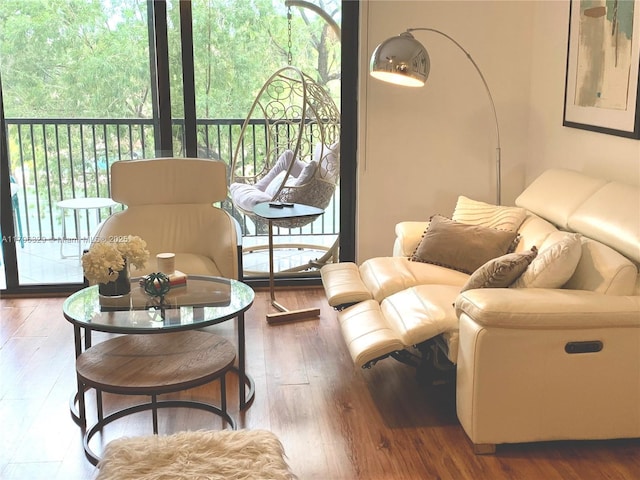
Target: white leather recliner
[[169, 204], [554, 354]]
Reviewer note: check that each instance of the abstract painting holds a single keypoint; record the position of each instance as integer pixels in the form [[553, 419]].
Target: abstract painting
[[603, 63]]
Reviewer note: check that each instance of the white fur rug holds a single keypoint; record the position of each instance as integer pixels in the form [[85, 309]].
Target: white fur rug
[[201, 455]]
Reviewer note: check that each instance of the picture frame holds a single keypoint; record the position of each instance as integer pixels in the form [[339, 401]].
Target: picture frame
[[602, 89]]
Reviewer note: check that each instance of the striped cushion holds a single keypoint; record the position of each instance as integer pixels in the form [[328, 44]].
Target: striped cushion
[[474, 212]]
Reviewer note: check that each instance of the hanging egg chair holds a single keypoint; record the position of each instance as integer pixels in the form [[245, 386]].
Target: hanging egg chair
[[295, 157]]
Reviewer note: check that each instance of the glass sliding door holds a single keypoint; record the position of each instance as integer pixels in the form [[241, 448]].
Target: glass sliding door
[[235, 52], [77, 97], [90, 82]]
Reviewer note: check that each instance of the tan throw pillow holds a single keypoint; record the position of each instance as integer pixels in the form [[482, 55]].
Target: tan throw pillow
[[474, 212], [554, 265], [461, 247], [500, 272]]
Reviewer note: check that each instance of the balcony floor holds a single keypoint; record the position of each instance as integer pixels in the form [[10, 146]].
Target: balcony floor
[[41, 262]]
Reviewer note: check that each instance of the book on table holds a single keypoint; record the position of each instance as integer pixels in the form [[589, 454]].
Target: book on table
[[176, 279], [197, 293]]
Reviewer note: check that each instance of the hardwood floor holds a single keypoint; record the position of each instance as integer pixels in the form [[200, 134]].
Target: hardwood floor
[[336, 422]]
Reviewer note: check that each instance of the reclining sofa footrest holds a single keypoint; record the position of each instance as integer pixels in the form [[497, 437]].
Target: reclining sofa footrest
[[343, 284], [367, 333]]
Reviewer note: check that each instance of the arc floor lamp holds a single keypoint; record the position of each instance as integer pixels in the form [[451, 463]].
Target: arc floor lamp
[[403, 60]]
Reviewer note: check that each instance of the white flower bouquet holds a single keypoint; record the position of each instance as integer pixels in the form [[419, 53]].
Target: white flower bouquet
[[106, 259]]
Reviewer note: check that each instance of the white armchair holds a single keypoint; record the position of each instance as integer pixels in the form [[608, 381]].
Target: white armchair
[[169, 204]]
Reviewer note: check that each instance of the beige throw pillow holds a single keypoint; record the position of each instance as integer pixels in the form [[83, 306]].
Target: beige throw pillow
[[474, 212], [461, 247], [500, 272], [554, 265]]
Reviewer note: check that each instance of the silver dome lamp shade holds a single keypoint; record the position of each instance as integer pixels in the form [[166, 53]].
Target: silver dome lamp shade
[[401, 60]]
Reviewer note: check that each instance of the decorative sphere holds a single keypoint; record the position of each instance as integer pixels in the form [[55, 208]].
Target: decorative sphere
[[156, 284]]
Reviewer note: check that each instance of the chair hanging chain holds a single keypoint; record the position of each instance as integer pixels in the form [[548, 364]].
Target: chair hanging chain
[[289, 54]]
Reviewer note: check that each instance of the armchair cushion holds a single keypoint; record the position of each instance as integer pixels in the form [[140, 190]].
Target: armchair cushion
[[459, 246]]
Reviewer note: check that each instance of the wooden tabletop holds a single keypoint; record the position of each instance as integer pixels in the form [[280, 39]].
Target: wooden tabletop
[[155, 364]]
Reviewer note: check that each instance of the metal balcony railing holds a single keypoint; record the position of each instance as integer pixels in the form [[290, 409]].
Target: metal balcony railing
[[58, 159]]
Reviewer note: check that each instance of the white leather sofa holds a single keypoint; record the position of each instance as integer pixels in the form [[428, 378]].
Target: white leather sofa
[[532, 362]]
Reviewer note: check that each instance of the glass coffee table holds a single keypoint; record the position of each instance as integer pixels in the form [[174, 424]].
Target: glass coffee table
[[202, 302]]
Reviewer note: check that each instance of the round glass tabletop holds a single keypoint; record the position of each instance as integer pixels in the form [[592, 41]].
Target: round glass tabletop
[[202, 301]]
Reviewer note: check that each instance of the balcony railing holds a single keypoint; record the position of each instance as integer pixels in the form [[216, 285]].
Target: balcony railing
[[58, 159]]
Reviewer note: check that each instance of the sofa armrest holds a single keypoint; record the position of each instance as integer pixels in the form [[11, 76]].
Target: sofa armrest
[[408, 236], [518, 381], [540, 308]]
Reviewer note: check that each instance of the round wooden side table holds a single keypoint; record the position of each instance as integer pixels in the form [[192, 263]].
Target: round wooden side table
[[153, 365]]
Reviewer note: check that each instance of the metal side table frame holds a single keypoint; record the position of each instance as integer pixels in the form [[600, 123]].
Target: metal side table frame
[[272, 212]]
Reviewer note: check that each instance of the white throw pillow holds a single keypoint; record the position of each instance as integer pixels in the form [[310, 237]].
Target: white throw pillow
[[474, 212], [278, 171], [327, 158], [553, 267], [246, 196], [275, 184], [306, 174], [281, 165], [273, 187]]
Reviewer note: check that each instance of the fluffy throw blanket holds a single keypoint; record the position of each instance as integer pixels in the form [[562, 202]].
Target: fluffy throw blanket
[[201, 455]]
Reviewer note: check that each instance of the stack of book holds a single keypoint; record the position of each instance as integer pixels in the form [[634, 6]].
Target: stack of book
[[176, 279]]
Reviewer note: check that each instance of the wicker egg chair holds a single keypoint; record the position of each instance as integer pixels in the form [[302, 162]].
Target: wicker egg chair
[[296, 157]]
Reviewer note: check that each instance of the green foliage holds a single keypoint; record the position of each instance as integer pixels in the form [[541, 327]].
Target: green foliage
[[64, 59], [90, 58]]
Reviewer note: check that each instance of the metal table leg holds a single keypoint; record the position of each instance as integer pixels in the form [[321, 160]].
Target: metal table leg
[[284, 314]]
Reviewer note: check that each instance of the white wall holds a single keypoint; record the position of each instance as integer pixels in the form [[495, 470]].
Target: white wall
[[553, 145], [421, 148], [418, 149]]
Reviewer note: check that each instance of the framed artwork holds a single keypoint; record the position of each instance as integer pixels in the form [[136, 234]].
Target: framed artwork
[[603, 63]]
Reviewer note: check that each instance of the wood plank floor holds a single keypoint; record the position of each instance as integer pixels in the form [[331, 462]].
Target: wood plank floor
[[336, 422]]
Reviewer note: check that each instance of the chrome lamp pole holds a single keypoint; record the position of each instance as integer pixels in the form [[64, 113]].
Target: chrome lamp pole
[[403, 60]]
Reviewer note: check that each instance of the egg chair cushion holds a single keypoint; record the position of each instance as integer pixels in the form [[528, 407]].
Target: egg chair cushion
[[328, 158], [279, 170], [246, 197]]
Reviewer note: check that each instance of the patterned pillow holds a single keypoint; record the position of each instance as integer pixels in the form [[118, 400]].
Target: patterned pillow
[[474, 212], [459, 246], [329, 160], [500, 272]]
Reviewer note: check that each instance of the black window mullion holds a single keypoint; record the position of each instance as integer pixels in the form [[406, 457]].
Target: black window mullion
[[159, 61], [348, 130], [188, 80], [6, 208]]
